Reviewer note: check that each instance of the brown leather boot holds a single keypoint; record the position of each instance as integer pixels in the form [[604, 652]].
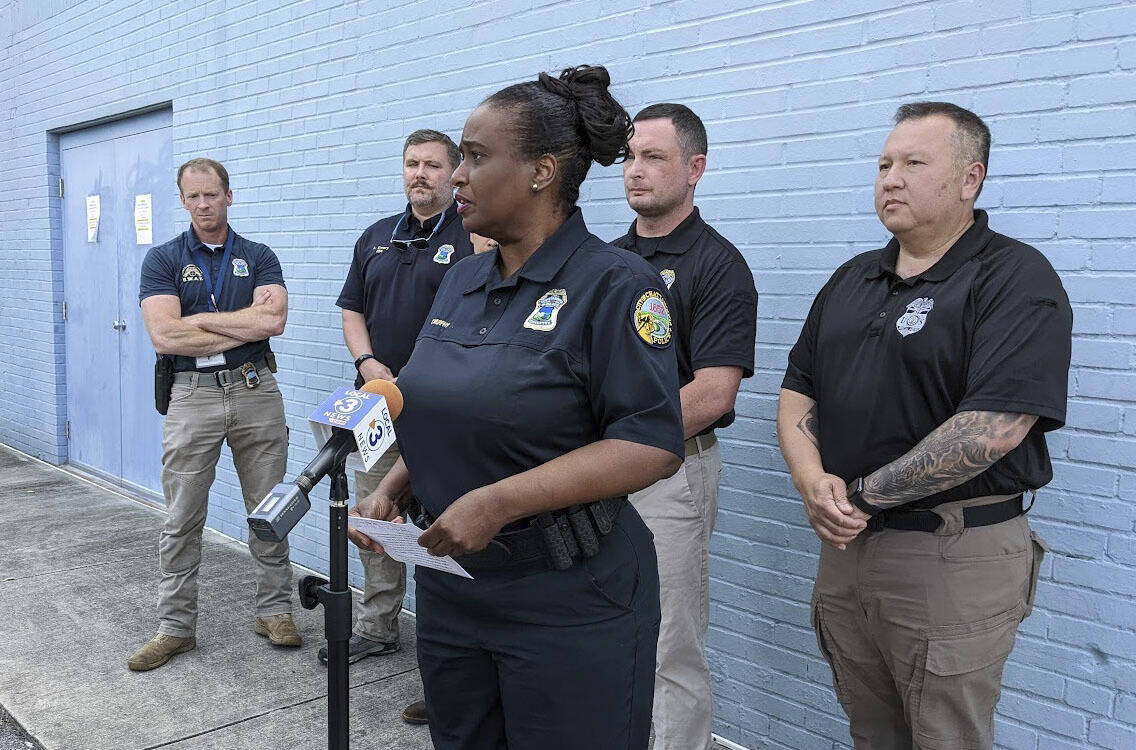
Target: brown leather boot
[[159, 650], [415, 713]]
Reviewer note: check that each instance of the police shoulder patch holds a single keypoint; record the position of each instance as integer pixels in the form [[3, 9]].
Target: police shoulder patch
[[651, 318]]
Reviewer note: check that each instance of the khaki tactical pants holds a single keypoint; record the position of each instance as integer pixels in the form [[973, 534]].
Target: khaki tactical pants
[[680, 511], [384, 579], [917, 626], [202, 416]]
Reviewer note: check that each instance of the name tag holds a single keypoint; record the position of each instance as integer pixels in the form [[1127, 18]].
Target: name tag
[[215, 361]]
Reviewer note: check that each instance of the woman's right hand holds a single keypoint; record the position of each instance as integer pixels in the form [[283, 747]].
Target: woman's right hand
[[376, 505]]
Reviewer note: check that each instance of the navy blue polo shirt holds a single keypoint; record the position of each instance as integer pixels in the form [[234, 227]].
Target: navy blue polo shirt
[[508, 374], [888, 360], [715, 301], [393, 287], [176, 268]]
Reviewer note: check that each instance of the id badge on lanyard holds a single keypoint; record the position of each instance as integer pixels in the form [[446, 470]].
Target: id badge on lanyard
[[216, 360]]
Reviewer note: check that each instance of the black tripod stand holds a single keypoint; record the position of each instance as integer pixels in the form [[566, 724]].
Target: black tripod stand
[[336, 601]]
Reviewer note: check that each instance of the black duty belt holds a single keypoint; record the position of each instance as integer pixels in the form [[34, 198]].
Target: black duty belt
[[929, 521], [538, 541], [220, 378]]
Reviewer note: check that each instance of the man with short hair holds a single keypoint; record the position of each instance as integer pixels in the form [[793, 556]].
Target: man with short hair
[[397, 265], [715, 318], [913, 416], [211, 299]]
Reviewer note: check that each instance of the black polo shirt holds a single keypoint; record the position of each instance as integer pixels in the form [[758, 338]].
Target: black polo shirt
[[715, 301], [508, 374], [176, 268], [392, 287], [888, 360]]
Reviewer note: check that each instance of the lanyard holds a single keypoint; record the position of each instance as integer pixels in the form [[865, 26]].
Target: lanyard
[[214, 294]]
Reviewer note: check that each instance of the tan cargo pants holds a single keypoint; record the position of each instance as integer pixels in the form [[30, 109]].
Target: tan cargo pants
[[680, 511], [917, 626], [384, 579], [202, 416]]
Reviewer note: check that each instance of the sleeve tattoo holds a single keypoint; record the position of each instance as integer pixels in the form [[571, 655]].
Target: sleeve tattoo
[[961, 448], [809, 426]]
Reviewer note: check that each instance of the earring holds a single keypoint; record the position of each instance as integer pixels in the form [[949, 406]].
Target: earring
[[535, 187]]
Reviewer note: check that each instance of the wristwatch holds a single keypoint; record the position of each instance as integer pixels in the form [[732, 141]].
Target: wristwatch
[[363, 358], [856, 497]]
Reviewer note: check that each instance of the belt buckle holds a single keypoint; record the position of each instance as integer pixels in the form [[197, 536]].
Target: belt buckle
[[252, 379]]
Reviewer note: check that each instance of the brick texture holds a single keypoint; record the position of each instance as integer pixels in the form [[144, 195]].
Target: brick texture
[[306, 102]]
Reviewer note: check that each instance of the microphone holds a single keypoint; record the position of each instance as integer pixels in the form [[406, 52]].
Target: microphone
[[343, 442], [286, 504]]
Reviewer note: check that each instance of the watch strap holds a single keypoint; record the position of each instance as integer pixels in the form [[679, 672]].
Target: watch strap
[[363, 358]]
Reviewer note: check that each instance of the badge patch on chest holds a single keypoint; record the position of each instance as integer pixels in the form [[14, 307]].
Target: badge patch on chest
[[191, 273], [912, 321], [543, 317], [651, 318], [379, 249], [240, 267], [443, 254], [668, 276]]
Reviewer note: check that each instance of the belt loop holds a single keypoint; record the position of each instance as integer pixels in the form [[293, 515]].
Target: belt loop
[[698, 443], [193, 380]]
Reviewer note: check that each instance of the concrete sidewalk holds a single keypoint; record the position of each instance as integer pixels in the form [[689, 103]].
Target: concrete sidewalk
[[78, 588]]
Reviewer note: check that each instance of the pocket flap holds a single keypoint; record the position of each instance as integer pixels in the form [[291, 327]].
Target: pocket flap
[[968, 652]]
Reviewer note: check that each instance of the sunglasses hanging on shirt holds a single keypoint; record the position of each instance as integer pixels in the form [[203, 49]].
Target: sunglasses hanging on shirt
[[418, 243]]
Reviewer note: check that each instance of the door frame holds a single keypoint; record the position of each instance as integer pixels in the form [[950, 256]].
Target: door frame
[[58, 255]]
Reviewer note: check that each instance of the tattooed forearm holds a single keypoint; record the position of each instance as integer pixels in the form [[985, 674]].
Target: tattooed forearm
[[961, 448], [809, 426]]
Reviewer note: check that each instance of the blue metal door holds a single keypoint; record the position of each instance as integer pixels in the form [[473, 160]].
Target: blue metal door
[[115, 431]]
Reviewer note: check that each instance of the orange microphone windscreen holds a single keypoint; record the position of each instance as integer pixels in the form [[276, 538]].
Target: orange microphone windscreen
[[390, 391]]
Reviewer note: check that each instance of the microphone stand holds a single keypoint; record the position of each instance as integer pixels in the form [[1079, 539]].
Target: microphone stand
[[336, 600]]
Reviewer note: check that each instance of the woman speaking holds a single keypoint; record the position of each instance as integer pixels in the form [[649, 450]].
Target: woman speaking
[[541, 391]]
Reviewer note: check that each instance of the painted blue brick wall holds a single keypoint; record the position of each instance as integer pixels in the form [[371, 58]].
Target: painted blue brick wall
[[307, 102]]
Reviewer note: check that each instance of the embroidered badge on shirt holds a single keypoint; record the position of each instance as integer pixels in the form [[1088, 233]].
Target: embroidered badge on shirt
[[668, 276], [443, 254], [240, 267], [543, 317], [651, 318], [912, 321], [440, 322], [191, 273], [379, 249]]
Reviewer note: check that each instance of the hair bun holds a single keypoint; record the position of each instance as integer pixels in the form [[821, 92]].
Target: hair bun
[[604, 124]]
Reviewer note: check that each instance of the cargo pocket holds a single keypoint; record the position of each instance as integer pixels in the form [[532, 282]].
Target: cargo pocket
[[1039, 550], [962, 680], [824, 643]]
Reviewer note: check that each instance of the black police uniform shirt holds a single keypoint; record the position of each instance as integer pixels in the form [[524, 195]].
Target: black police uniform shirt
[[176, 268], [393, 287], [888, 360], [715, 301], [508, 374]]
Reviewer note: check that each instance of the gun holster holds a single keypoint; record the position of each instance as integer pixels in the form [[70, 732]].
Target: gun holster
[[163, 382]]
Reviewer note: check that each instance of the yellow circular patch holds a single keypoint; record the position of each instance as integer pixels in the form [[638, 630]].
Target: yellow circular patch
[[651, 319]]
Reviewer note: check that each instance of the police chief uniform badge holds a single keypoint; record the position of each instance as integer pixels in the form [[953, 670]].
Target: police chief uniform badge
[[443, 254], [191, 273], [240, 267], [543, 317], [651, 319], [912, 321], [668, 276]]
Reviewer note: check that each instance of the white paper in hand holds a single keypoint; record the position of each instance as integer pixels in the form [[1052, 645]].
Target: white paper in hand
[[400, 540]]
